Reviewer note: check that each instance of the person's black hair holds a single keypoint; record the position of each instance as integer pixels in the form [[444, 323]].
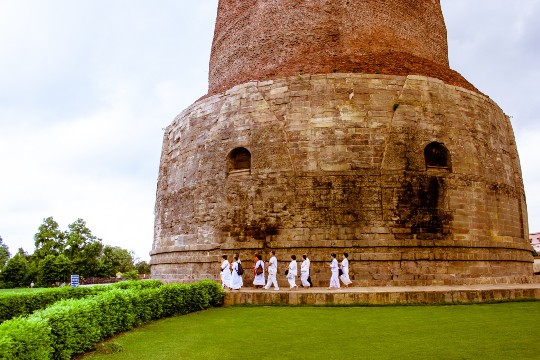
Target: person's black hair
[[304, 256], [333, 255], [224, 257], [235, 257], [346, 255], [259, 256], [293, 257], [272, 252]]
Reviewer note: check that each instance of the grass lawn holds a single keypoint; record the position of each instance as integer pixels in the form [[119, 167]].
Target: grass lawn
[[18, 290], [494, 331]]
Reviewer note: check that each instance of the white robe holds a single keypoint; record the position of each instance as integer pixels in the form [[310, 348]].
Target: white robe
[[334, 280], [304, 273], [225, 273], [241, 278], [345, 269], [272, 272], [292, 274], [259, 278], [236, 280]]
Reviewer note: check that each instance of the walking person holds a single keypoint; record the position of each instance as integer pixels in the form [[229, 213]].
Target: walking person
[[272, 272], [292, 273], [240, 267], [304, 271], [345, 269], [225, 272], [258, 272], [334, 268], [236, 278]]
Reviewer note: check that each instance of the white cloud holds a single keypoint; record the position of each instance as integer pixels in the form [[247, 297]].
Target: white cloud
[[493, 43], [528, 152], [86, 88]]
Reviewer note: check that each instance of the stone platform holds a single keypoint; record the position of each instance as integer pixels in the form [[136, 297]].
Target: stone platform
[[385, 295]]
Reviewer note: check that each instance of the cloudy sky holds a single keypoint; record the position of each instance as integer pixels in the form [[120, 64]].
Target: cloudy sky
[[87, 86]]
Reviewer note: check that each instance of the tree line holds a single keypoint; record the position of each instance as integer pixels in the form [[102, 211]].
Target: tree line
[[59, 254]]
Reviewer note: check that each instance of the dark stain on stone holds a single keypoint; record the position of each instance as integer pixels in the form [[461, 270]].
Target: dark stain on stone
[[421, 207]]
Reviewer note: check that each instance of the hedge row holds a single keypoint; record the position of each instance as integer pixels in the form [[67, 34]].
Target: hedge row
[[74, 326], [23, 304]]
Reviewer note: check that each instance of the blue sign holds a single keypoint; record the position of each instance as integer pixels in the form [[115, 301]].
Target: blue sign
[[74, 280]]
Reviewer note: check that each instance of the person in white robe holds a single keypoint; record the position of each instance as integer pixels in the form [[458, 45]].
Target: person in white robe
[[239, 262], [272, 272], [304, 271], [236, 279], [293, 273], [334, 268], [258, 280], [225, 272], [345, 269]]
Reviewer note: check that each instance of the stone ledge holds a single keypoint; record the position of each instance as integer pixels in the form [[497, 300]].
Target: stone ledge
[[386, 295]]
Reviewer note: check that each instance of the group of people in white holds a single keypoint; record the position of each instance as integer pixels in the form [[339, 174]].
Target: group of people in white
[[231, 273]]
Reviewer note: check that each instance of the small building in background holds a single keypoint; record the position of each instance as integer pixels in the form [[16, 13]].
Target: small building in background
[[535, 241]]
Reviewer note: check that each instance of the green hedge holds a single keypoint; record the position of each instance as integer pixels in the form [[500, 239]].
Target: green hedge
[[25, 303], [74, 326]]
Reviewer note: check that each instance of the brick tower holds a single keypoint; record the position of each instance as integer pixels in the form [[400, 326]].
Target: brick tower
[[338, 126]]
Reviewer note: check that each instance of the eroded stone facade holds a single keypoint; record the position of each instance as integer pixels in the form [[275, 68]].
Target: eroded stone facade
[[338, 164]]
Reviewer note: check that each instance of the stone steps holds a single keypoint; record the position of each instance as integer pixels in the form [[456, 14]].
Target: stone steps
[[391, 295]]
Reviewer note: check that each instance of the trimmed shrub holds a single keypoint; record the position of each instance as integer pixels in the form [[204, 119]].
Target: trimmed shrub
[[139, 284], [214, 290], [74, 326], [174, 299], [23, 304], [25, 339], [149, 305], [117, 311]]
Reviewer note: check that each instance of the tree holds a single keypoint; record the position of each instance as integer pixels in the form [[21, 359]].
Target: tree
[[49, 240], [63, 268], [82, 248], [31, 272], [4, 253], [115, 259], [23, 252], [54, 269], [14, 274], [47, 271], [142, 267]]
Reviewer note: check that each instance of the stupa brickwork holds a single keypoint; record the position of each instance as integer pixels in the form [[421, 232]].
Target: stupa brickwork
[[410, 169], [260, 39]]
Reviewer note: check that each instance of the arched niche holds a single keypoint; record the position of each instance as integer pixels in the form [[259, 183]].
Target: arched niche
[[437, 156], [239, 161]]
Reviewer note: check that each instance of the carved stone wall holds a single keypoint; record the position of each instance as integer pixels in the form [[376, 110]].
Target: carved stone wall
[[338, 164]]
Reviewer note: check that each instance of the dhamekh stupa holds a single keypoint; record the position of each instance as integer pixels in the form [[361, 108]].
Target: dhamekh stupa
[[338, 126]]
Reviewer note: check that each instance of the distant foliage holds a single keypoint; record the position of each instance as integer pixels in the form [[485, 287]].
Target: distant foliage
[[53, 269], [132, 274], [142, 267], [59, 254], [49, 240], [14, 273], [71, 327], [4, 253], [115, 259]]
